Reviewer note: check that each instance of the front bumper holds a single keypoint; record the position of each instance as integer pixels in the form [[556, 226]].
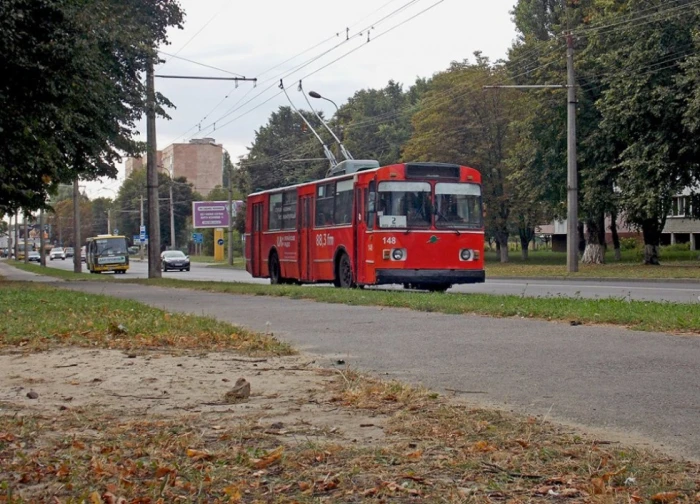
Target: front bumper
[[430, 276]]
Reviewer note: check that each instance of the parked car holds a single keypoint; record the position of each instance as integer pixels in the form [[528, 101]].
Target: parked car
[[83, 254], [57, 253], [34, 256], [69, 252], [133, 250], [174, 260]]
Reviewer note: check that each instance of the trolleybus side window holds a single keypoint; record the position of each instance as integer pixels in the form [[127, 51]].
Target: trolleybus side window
[[371, 201], [283, 211], [343, 202], [325, 195]]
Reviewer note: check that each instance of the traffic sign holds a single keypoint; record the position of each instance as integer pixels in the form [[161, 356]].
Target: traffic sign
[[198, 237], [115, 232], [220, 241]]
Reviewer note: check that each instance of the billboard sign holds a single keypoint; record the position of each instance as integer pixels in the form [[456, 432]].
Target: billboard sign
[[212, 214]]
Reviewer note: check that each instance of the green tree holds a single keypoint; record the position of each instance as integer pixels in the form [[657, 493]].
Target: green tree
[[376, 123], [645, 109], [72, 89]]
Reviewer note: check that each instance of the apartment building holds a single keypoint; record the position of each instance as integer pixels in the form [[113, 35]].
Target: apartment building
[[200, 160]]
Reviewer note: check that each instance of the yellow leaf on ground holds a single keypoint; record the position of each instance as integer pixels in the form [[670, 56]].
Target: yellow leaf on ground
[[664, 497], [272, 458], [483, 446], [198, 454], [415, 455], [95, 498]]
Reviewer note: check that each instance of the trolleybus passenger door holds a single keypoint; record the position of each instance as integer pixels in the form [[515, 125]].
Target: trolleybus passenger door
[[255, 239], [363, 223], [305, 232]]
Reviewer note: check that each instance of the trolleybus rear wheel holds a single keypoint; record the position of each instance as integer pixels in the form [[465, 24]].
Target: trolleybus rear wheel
[[275, 271]]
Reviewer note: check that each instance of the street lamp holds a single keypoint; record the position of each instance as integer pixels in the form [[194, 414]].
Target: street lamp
[[314, 94]]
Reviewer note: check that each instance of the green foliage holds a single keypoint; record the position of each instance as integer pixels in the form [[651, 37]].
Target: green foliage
[[628, 243], [72, 90]]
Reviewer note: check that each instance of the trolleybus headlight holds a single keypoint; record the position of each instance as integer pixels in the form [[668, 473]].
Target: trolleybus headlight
[[466, 255], [398, 254]]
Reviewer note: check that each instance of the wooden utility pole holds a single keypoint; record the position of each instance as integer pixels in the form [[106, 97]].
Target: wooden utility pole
[[153, 228], [26, 239], [42, 248]]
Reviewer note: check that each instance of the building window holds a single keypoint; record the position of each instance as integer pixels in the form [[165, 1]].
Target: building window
[[680, 206]]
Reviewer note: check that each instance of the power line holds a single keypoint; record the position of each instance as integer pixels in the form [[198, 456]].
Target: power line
[[201, 64]]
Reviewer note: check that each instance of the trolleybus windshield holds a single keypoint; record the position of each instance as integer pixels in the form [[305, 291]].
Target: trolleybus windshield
[[404, 204], [458, 205]]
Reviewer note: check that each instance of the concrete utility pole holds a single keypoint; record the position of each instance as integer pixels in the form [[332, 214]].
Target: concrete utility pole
[[16, 234], [152, 177], [172, 218], [141, 224], [26, 239], [77, 265], [42, 252], [572, 169], [230, 215], [109, 221]]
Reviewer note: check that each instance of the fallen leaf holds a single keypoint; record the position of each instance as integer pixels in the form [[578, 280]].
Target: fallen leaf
[[484, 446], [608, 475], [570, 492], [414, 455], [272, 458], [95, 498], [636, 497], [198, 454], [303, 486], [543, 490], [598, 486], [523, 443], [663, 497]]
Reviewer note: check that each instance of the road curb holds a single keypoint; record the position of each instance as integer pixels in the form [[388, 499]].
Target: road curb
[[598, 279]]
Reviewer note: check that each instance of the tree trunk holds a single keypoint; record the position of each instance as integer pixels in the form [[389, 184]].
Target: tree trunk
[[502, 242], [651, 230], [581, 238], [594, 252], [615, 236], [526, 235]]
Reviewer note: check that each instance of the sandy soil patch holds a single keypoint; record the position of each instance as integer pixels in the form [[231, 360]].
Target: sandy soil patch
[[289, 395]]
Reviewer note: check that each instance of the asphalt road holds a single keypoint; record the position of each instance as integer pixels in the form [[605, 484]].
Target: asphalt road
[[624, 384], [677, 292]]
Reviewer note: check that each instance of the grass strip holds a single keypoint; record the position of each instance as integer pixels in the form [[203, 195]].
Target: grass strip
[[38, 317], [638, 315], [60, 273], [667, 271], [433, 451]]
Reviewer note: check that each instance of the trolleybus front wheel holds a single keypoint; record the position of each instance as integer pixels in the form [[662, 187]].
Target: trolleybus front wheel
[[343, 275]]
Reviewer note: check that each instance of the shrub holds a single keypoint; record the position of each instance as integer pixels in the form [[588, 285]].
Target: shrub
[[628, 243]]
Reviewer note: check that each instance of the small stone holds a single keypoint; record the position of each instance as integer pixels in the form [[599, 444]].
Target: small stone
[[32, 395], [131, 356], [277, 426], [239, 392]]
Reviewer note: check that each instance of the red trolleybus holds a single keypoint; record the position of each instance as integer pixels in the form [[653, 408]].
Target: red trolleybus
[[416, 224]]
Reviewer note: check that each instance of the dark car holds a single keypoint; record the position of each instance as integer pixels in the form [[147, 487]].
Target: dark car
[[175, 260]]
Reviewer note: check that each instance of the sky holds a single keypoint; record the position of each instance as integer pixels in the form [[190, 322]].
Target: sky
[[255, 39]]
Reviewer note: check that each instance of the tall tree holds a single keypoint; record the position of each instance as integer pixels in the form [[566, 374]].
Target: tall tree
[[644, 108], [72, 91]]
